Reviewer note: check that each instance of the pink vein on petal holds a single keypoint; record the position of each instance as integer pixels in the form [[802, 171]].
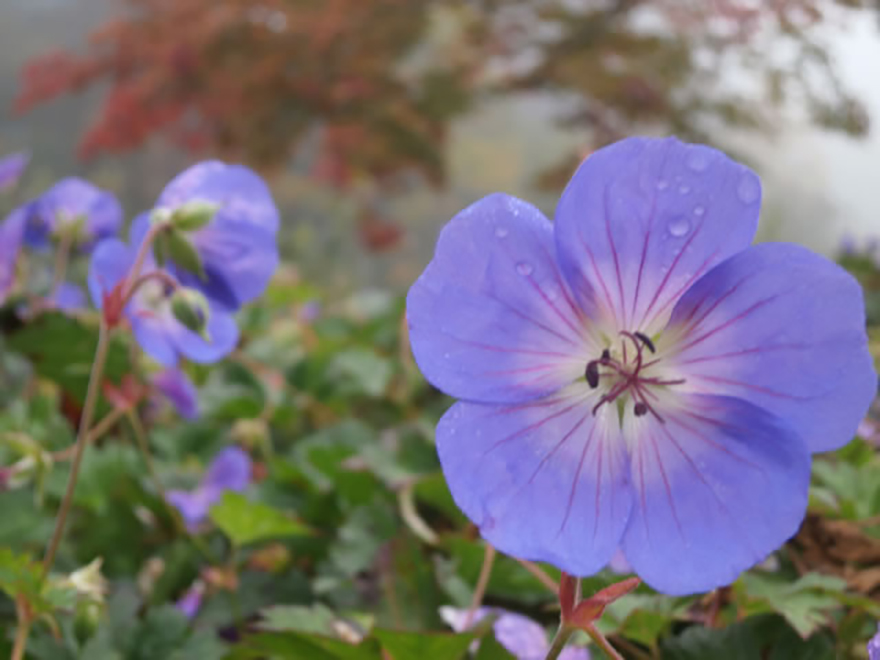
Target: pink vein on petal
[[614, 254], [529, 428], [574, 483]]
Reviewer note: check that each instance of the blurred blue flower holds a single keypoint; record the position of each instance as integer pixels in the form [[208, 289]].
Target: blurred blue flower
[[522, 637], [635, 375], [11, 169], [11, 238], [238, 246], [149, 312], [230, 470], [68, 298], [191, 601], [874, 646], [74, 205], [178, 389]]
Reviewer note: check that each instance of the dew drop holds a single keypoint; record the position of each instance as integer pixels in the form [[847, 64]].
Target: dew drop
[[662, 184], [748, 189], [684, 189], [524, 269], [679, 227], [699, 210], [501, 232], [697, 161]]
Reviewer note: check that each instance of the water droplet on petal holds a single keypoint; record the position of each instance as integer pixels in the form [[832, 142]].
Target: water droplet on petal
[[698, 161], [678, 227], [662, 185], [748, 189], [524, 269], [501, 232], [684, 189], [699, 210]]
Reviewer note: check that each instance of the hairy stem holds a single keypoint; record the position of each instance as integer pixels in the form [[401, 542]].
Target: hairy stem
[[141, 256], [559, 641], [82, 441], [602, 643], [24, 628], [482, 583], [99, 430]]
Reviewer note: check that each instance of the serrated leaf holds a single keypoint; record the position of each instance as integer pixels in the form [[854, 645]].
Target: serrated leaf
[[246, 522], [806, 603]]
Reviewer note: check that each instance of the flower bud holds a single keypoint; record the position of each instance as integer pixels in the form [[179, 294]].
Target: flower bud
[[190, 307], [193, 215]]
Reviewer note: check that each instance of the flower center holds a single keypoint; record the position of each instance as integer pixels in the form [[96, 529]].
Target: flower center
[[627, 373]]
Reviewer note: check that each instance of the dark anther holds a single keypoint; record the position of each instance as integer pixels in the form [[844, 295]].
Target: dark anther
[[606, 354], [592, 374], [642, 337], [641, 408]]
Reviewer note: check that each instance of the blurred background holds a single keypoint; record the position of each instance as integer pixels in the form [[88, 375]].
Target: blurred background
[[376, 120]]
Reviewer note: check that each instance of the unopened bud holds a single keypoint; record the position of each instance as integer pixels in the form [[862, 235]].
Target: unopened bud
[[190, 307], [193, 215]]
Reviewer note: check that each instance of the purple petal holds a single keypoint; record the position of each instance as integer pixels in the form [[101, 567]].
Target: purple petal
[[783, 328], [68, 298], [110, 263], [644, 218], [544, 481], [223, 333], [193, 505], [230, 470], [176, 386], [153, 333], [191, 601], [874, 646], [718, 486], [241, 194], [70, 199], [11, 169], [491, 318], [11, 237], [239, 261]]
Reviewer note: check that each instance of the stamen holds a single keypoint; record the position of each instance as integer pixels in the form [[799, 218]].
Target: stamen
[[645, 340], [641, 408], [592, 374]]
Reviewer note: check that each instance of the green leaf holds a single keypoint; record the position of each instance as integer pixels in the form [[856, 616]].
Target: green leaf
[[296, 646], [246, 522], [806, 603], [360, 371], [765, 637], [420, 646]]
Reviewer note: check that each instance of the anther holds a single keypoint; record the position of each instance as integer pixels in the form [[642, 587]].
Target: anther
[[592, 374], [641, 408], [606, 354], [642, 337]]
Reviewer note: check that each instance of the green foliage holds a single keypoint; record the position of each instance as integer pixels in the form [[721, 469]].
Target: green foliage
[[247, 522]]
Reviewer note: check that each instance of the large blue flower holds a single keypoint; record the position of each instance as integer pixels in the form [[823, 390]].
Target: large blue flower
[[77, 205], [237, 247], [635, 375], [149, 312]]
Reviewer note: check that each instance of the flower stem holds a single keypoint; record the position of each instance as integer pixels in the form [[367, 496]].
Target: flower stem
[[24, 628], [482, 583], [559, 641], [99, 429], [143, 251], [82, 441], [602, 643]]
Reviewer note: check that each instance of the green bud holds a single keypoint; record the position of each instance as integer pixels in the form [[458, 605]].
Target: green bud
[[161, 249], [190, 307], [193, 215], [160, 216], [184, 254]]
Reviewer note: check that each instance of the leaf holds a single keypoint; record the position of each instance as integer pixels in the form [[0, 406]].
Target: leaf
[[765, 637], [806, 603], [246, 522], [295, 646], [360, 371], [420, 646]]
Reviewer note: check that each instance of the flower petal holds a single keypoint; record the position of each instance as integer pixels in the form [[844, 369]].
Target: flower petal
[[491, 318], [110, 263], [69, 199], [229, 470], [11, 237], [718, 486], [153, 333], [68, 297], [11, 169], [545, 480], [178, 389], [784, 328], [240, 192], [643, 219], [221, 329]]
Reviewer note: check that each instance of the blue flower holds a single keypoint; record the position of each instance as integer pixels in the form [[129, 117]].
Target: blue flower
[[522, 637], [874, 646], [237, 247], [178, 389], [73, 205], [636, 375], [230, 470], [11, 238], [11, 169], [149, 312]]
